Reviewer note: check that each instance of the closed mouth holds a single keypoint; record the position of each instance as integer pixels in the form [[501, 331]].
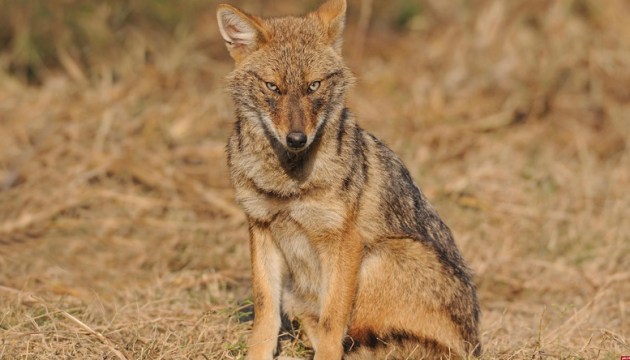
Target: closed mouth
[[296, 150]]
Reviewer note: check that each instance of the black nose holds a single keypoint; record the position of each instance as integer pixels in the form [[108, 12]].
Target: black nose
[[296, 140]]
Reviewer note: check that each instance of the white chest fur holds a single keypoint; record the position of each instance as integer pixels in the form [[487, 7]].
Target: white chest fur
[[291, 223], [312, 214]]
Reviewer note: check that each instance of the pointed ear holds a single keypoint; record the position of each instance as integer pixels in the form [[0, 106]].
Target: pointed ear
[[243, 33], [333, 15]]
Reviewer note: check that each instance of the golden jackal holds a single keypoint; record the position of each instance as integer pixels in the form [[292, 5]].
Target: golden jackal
[[341, 237]]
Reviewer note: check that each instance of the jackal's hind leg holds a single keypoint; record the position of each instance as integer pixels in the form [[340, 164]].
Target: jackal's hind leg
[[406, 302]]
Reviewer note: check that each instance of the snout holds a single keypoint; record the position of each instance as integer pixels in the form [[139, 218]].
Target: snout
[[296, 140]]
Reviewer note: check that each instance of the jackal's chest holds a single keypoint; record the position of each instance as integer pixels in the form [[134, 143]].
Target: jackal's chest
[[302, 260], [296, 226], [313, 215]]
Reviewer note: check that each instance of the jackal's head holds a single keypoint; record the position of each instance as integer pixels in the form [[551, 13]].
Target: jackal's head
[[289, 77]]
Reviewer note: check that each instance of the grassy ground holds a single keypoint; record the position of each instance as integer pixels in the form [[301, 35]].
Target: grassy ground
[[119, 237]]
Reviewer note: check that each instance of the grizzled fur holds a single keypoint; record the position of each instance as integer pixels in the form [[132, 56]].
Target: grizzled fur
[[341, 237]]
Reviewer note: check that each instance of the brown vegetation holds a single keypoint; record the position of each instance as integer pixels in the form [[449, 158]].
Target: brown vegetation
[[118, 234]]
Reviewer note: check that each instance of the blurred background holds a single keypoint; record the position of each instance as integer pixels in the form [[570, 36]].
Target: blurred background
[[119, 236]]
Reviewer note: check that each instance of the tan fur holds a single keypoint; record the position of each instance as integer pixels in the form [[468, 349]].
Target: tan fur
[[341, 237]]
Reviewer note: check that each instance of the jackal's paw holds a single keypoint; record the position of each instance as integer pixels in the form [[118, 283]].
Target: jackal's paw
[[254, 357], [329, 353], [259, 355]]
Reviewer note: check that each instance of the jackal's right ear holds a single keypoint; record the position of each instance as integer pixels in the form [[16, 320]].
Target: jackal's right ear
[[243, 33]]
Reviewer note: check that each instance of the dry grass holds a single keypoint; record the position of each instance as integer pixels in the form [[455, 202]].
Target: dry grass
[[119, 238]]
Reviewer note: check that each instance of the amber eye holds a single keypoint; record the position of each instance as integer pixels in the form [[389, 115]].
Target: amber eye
[[312, 87], [273, 87]]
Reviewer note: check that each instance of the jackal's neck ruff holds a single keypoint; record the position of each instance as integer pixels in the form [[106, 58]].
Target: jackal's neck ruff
[[341, 236]]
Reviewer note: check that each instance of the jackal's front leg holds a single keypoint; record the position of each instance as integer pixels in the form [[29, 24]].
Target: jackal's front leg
[[341, 259], [267, 265]]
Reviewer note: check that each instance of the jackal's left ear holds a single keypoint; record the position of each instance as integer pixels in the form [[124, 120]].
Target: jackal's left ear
[[243, 33], [333, 15]]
